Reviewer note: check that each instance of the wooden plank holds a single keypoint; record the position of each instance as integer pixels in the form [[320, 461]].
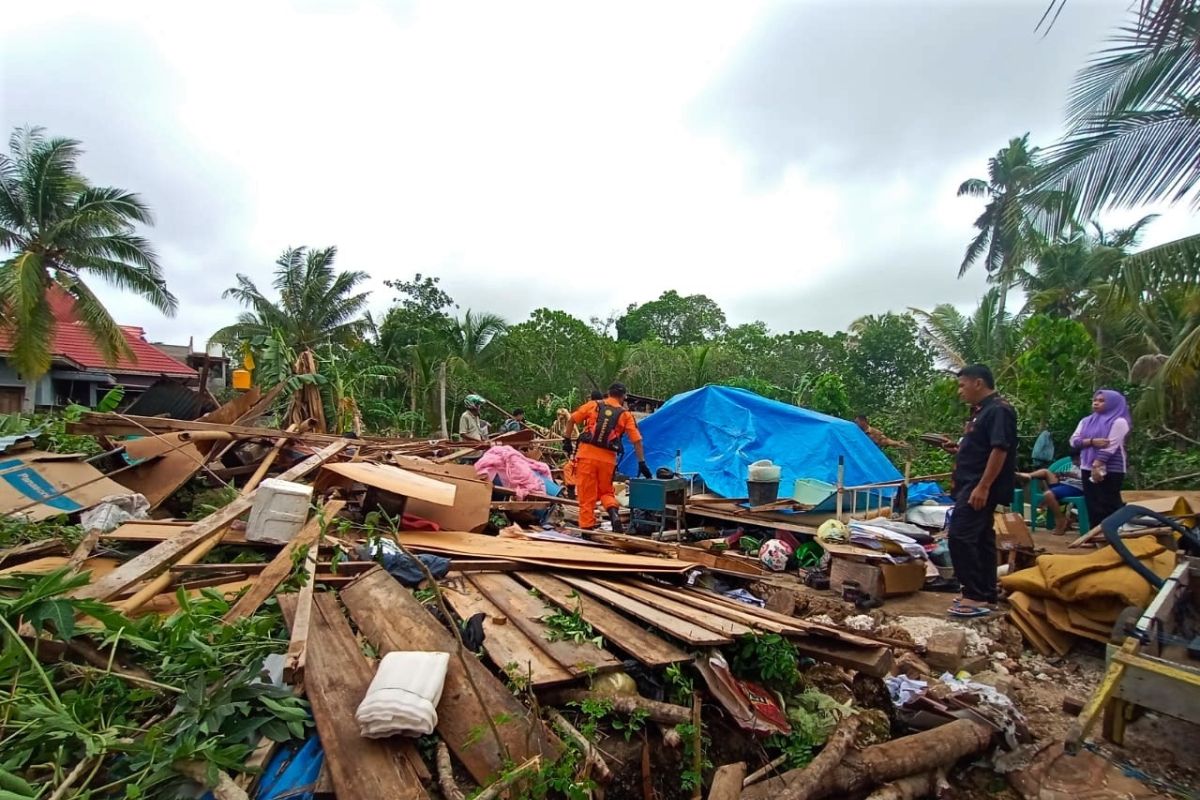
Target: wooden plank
[[719, 624], [338, 677], [94, 422], [147, 532], [281, 566], [616, 629], [505, 644], [680, 628], [470, 544], [162, 555], [703, 605], [398, 481], [294, 659], [526, 612], [471, 509], [159, 479], [99, 566], [875, 661], [391, 619]]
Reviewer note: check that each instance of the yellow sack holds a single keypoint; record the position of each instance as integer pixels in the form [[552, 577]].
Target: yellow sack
[[1030, 581], [1121, 582], [1061, 569]]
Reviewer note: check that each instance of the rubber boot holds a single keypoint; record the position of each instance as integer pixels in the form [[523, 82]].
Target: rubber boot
[[614, 517]]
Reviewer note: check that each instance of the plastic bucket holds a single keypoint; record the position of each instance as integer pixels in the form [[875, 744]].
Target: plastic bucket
[[762, 492]]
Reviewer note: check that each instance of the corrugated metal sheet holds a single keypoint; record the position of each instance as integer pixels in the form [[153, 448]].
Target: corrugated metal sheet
[[167, 397], [8, 441]]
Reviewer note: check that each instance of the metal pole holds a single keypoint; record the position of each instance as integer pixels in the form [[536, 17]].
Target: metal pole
[[841, 480]]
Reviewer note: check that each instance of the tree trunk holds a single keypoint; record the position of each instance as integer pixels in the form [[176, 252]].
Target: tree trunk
[[913, 787], [442, 394], [884, 763]]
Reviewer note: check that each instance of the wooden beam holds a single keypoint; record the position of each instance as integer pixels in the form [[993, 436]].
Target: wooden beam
[[293, 661], [281, 566], [164, 554], [391, 619], [337, 681], [680, 628]]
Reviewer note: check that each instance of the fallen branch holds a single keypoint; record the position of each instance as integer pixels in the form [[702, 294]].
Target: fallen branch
[[445, 772], [883, 763], [590, 753], [666, 713], [910, 787], [494, 791], [225, 788], [69, 781], [812, 780], [765, 770], [697, 745]]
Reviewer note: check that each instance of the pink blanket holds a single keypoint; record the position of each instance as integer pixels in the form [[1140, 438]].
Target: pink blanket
[[517, 471]]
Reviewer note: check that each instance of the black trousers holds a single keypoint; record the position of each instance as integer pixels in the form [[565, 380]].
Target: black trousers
[[972, 541], [1102, 498]]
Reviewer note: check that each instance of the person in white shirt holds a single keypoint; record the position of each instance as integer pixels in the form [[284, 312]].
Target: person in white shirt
[[470, 426]]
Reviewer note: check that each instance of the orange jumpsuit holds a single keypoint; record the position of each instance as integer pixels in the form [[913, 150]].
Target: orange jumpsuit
[[595, 465]]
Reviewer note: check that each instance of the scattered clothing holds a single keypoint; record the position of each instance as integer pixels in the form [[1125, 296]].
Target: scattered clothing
[[904, 689], [402, 566], [515, 469], [743, 596], [473, 633]]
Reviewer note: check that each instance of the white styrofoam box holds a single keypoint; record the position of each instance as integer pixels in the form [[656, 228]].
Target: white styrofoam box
[[279, 511]]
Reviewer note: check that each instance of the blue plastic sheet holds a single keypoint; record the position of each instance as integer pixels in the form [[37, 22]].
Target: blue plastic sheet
[[291, 773], [720, 431]]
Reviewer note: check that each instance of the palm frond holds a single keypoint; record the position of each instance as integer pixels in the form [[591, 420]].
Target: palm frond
[[973, 187], [133, 277], [26, 311], [105, 332]]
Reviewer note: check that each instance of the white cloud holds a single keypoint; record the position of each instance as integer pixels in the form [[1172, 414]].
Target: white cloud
[[519, 150]]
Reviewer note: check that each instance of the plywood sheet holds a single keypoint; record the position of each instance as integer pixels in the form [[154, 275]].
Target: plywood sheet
[[397, 481], [470, 544]]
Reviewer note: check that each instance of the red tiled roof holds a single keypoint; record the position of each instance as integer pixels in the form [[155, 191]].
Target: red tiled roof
[[73, 343]]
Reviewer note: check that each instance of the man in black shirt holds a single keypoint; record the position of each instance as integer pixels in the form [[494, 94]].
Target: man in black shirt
[[985, 468]]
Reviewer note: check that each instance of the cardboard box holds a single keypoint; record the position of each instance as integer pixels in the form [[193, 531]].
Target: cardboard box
[[878, 578], [58, 484]]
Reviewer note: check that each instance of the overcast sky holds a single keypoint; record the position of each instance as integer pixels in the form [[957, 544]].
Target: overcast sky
[[795, 161]]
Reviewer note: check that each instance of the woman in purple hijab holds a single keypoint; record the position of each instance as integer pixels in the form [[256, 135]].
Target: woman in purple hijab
[[1101, 437]]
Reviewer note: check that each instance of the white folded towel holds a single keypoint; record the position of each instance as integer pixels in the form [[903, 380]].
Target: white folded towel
[[403, 695]]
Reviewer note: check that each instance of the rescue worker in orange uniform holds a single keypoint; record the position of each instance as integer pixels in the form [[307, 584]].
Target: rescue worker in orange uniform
[[603, 423]]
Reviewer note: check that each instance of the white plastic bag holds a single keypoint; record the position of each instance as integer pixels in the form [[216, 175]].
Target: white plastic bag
[[114, 511], [403, 695]]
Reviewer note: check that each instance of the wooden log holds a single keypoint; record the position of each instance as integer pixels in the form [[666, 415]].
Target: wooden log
[[910, 787], [83, 549], [882, 763], [280, 567], [667, 713], [727, 782], [162, 555], [810, 781]]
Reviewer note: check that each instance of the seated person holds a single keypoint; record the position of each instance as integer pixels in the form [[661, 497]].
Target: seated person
[[1059, 486]]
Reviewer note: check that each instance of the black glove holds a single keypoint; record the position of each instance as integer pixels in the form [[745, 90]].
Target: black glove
[[643, 470], [568, 448]]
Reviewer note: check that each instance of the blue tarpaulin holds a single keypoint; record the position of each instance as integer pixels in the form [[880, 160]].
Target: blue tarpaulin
[[720, 431]]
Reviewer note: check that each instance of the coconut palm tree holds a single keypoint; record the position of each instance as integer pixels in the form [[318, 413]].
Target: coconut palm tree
[[56, 229], [987, 336], [476, 338], [316, 304], [1015, 211], [1133, 131]]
